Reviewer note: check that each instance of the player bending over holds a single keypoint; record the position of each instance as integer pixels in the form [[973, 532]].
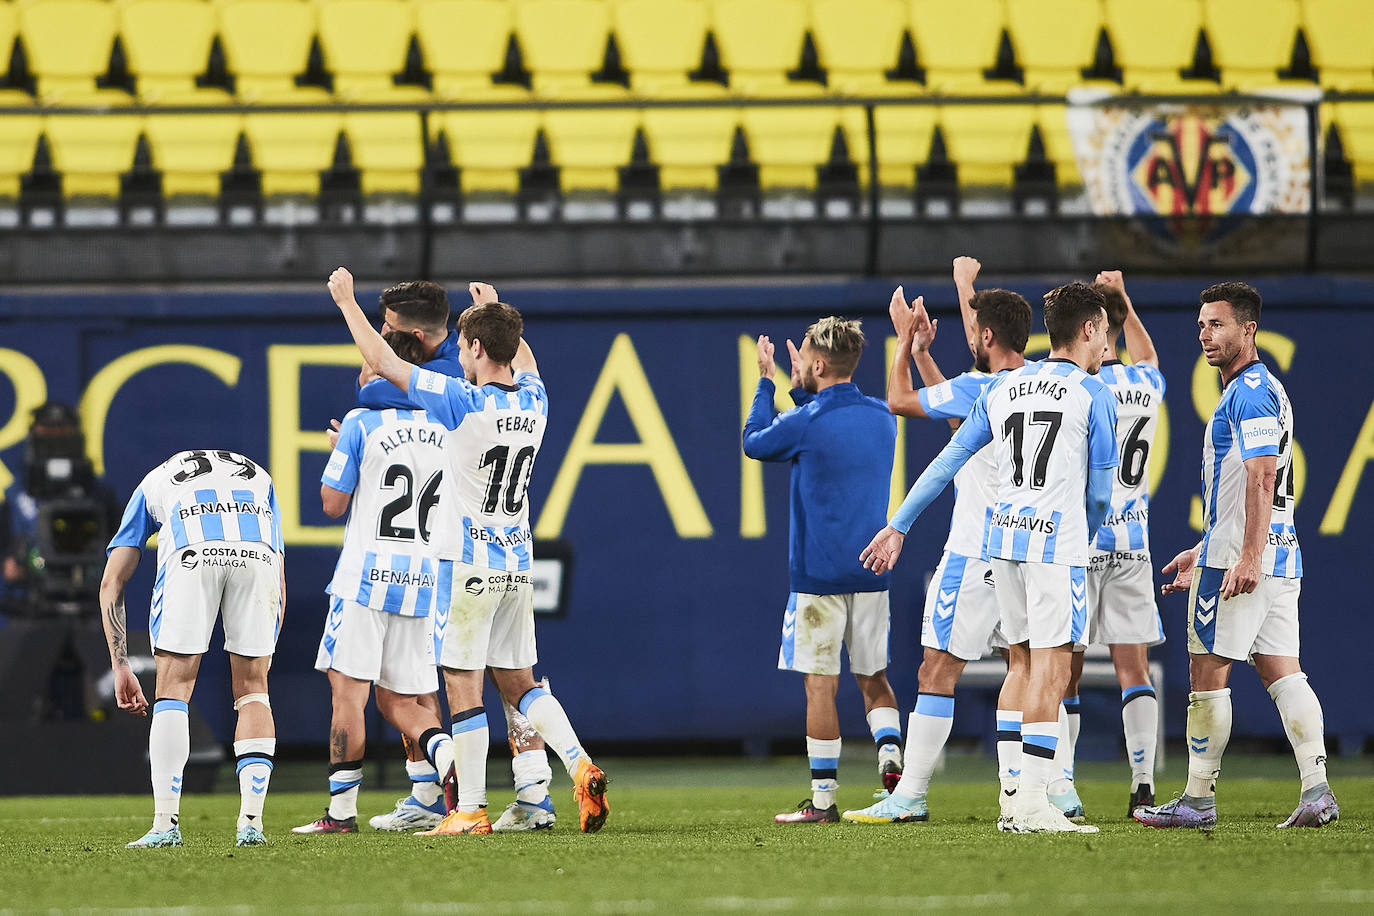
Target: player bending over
[[1052, 425], [496, 420], [389, 466], [840, 444], [219, 554], [1243, 579]]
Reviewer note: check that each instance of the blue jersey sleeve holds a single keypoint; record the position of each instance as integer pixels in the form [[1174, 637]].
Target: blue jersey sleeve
[[976, 430], [278, 543], [341, 473], [445, 399], [768, 437], [952, 400], [136, 526], [533, 394], [1102, 427], [1153, 376], [800, 396], [1254, 413]]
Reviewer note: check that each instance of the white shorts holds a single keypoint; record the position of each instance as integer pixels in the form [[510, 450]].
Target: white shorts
[[490, 620], [961, 607], [390, 650], [1121, 599], [1045, 604], [238, 580], [1264, 622], [815, 626]]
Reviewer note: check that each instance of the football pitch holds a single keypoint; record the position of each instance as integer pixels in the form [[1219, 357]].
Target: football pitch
[[697, 835]]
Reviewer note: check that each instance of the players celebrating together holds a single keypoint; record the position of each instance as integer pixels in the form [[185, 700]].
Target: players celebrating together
[[1047, 553]]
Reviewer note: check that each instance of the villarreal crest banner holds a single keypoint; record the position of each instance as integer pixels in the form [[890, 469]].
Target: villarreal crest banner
[[1211, 158]]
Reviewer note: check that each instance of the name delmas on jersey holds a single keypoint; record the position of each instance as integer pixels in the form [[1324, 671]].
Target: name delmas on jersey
[[1045, 386]]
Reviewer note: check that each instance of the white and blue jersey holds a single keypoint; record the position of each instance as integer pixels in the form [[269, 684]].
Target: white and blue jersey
[[495, 433], [1138, 390], [1253, 419], [199, 496], [392, 462], [1050, 423]]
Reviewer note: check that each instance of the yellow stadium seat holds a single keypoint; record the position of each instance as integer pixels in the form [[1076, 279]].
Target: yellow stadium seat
[[489, 146], [1251, 40], [92, 152], [388, 149], [192, 151], [9, 27], [660, 42], [688, 144], [1153, 41], [903, 140], [266, 45], [759, 41], [365, 44], [1054, 131], [1340, 37], [292, 149], [1055, 40], [167, 44], [590, 146], [790, 143], [18, 141], [956, 40], [68, 44], [858, 42], [563, 42], [1355, 120], [464, 43], [986, 141]]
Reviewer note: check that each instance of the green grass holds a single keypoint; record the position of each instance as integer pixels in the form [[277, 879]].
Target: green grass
[[697, 834]]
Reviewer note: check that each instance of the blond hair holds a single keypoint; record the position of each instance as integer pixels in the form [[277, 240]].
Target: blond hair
[[840, 340]]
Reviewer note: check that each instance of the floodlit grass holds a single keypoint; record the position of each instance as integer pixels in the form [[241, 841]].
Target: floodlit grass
[[698, 835]]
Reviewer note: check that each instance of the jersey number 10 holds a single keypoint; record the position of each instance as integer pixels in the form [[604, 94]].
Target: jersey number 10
[[514, 482]]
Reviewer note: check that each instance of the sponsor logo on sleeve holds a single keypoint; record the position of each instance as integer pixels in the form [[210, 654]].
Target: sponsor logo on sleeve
[[940, 394], [1259, 432], [338, 463], [430, 381]]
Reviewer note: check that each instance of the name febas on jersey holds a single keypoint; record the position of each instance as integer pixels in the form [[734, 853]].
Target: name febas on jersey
[[199, 496], [1138, 391], [1254, 418], [1049, 422], [393, 463], [496, 431]]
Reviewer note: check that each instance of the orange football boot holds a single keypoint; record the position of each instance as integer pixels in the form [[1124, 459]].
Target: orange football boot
[[456, 822], [589, 788]]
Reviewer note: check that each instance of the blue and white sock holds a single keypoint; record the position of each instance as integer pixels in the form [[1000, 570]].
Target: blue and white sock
[[886, 728], [169, 746], [344, 780], [548, 718], [424, 782], [253, 762], [1009, 748], [1209, 730], [927, 730], [1140, 723], [825, 769], [532, 776], [1039, 741], [1061, 776], [1301, 714], [471, 741]]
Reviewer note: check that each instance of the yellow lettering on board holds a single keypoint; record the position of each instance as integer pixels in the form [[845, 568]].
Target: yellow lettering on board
[[30, 391], [753, 521], [1333, 522], [897, 485]]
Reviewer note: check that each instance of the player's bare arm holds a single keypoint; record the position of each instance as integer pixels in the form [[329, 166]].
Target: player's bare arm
[[482, 293], [118, 569], [765, 357], [901, 392], [523, 361], [882, 552], [923, 335], [332, 433], [373, 348], [1139, 346], [335, 502], [1260, 473], [794, 355], [1182, 566], [965, 272]]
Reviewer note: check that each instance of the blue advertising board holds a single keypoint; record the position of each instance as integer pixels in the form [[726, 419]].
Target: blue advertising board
[[678, 542]]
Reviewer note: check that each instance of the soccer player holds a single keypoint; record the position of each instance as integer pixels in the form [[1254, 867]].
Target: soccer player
[[219, 555], [496, 422], [1052, 425], [961, 607], [1243, 579], [840, 444], [1122, 614], [386, 585]]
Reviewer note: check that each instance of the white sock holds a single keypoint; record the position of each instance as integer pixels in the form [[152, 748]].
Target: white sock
[[1061, 776], [1072, 707], [825, 765], [532, 776], [886, 728], [927, 730], [547, 716], [169, 745], [1209, 728], [254, 766], [424, 781], [471, 741], [1009, 748], [1039, 741], [1140, 722], [1301, 713], [344, 780]]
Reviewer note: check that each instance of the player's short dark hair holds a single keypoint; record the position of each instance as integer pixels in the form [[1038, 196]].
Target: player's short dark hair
[[840, 340], [1114, 301], [1244, 299], [1068, 308], [497, 325], [419, 303], [405, 345], [1006, 314]]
